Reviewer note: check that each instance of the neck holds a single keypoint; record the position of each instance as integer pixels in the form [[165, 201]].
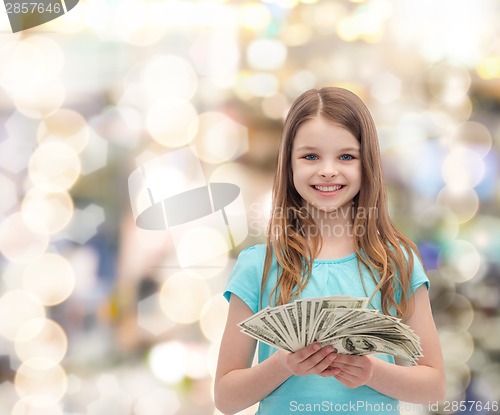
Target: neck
[[341, 217], [336, 230]]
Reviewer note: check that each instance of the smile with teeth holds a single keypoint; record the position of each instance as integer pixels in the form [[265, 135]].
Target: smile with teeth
[[328, 188]]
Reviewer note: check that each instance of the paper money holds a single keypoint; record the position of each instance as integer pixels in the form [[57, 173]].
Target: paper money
[[342, 321]]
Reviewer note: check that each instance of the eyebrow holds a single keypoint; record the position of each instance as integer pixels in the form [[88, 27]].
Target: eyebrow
[[310, 148]]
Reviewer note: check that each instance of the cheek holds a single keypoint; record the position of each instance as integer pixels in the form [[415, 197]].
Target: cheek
[[356, 173]]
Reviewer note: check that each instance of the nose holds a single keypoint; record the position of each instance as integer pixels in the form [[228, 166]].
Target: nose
[[328, 169]]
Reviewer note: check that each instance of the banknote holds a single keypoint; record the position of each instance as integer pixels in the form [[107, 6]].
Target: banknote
[[342, 321]]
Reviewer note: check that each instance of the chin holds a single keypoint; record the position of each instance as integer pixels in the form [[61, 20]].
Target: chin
[[328, 209]]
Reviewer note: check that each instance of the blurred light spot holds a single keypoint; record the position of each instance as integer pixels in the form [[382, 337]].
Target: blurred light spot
[[437, 224], [286, 4], [220, 139], [36, 405], [365, 24], [18, 242], [121, 125], [54, 166], [266, 54], [484, 233], [182, 298], [50, 278], [258, 85], [299, 82], [95, 154], [475, 136], [14, 153], [42, 378], [203, 242], [489, 67], [128, 19], [133, 95], [85, 222], [276, 106], [213, 317], [197, 357], [169, 76], [462, 259], [449, 82], [486, 327], [484, 297], [150, 316], [40, 100], [457, 346], [464, 202], [462, 168], [451, 114], [169, 361], [452, 44], [386, 88], [479, 360], [96, 18], [234, 172], [325, 16], [217, 56], [453, 310], [139, 23], [41, 338], [458, 376], [21, 307], [296, 34], [163, 176], [486, 382], [112, 399], [184, 15], [172, 124], [47, 212], [157, 402], [64, 125], [9, 194], [253, 16], [28, 63]]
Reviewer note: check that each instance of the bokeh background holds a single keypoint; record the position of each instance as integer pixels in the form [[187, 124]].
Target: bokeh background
[[95, 316]]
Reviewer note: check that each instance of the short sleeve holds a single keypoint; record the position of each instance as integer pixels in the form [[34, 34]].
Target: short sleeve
[[418, 276], [246, 278]]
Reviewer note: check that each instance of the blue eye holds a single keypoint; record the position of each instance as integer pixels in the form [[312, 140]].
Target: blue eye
[[311, 157], [346, 157]]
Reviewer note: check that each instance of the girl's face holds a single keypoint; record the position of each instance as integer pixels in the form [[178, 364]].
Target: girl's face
[[326, 165]]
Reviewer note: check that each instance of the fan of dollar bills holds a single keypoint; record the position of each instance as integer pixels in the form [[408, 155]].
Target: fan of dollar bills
[[341, 321]]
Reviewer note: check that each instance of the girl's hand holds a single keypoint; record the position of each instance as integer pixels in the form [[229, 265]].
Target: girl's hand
[[351, 370], [310, 360]]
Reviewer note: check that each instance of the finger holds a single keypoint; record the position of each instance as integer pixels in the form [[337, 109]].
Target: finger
[[320, 358], [346, 379], [346, 368], [329, 372], [306, 352], [327, 358], [350, 360]]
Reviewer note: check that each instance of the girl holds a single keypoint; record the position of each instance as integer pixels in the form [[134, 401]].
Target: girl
[[329, 234]]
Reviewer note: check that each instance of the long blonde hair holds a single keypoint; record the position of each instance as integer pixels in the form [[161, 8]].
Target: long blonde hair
[[381, 246]]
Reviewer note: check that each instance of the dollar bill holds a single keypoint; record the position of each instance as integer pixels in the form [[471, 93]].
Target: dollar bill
[[342, 321]]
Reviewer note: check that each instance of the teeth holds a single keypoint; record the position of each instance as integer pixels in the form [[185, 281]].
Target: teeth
[[327, 188]]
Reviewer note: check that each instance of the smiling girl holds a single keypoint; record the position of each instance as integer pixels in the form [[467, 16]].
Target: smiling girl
[[330, 234]]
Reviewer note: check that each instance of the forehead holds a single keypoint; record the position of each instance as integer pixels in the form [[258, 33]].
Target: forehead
[[320, 132]]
